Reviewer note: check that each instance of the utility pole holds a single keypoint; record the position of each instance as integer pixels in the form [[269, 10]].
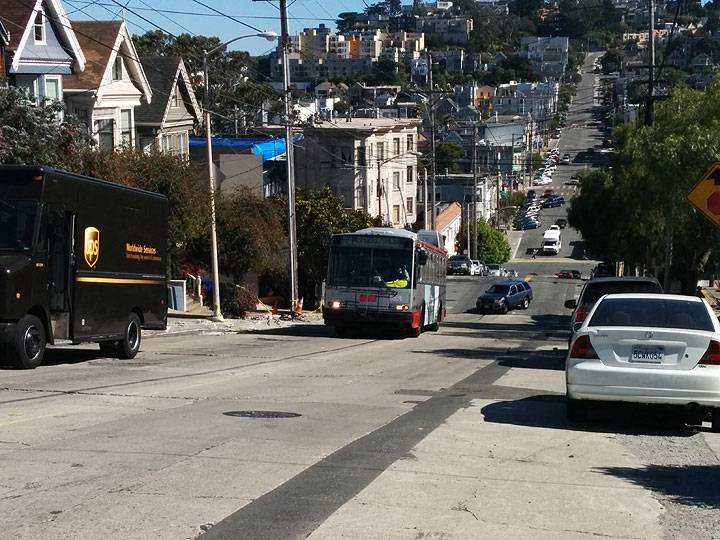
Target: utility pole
[[235, 111], [531, 140], [475, 190], [650, 106], [217, 313], [289, 153], [426, 221], [433, 169], [497, 195]]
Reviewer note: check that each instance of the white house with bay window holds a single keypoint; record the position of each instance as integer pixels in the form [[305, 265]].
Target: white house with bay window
[[105, 95], [42, 47]]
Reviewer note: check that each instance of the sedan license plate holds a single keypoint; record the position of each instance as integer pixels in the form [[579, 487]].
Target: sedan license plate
[[647, 354]]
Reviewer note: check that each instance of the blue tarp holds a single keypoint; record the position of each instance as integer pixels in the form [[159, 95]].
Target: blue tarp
[[267, 148]]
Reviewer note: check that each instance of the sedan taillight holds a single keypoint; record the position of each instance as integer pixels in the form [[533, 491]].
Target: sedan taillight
[[581, 313], [712, 355], [582, 348]]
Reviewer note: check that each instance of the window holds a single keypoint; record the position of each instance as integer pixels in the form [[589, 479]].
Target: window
[[410, 205], [396, 179], [410, 143], [174, 98], [117, 70], [28, 84], [52, 89], [362, 160], [396, 213], [104, 132], [346, 155], [39, 27], [396, 147], [82, 116], [126, 132], [409, 175], [380, 151]]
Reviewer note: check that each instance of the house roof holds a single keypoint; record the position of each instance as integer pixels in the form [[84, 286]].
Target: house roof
[[163, 73], [447, 216], [102, 41], [16, 16]]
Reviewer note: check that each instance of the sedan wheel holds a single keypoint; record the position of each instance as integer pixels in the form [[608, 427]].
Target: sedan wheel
[[526, 303]]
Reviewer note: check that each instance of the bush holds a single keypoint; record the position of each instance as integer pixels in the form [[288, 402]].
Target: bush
[[235, 301]]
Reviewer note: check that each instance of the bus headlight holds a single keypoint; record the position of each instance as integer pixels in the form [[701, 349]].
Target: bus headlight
[[335, 304], [402, 307]]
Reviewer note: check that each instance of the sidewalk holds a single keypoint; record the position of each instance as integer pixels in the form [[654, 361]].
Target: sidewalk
[[184, 324]]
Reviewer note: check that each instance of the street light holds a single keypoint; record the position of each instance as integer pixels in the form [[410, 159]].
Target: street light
[[270, 36]]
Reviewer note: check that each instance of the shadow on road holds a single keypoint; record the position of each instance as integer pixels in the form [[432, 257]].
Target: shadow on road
[[548, 411], [691, 485], [68, 356], [320, 330]]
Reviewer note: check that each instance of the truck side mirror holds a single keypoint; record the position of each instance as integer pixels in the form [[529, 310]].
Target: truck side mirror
[[422, 257], [571, 304]]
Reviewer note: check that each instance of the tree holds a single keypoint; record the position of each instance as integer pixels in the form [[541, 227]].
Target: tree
[[32, 134], [646, 218], [250, 235], [319, 215], [447, 156], [493, 245]]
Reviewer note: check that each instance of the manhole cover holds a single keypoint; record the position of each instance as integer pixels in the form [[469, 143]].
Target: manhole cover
[[262, 414]]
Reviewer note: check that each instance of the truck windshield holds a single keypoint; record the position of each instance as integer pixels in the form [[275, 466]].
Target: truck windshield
[[19, 201], [370, 267], [17, 224]]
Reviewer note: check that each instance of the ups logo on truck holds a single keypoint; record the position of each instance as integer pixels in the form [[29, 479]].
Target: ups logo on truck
[[92, 246]]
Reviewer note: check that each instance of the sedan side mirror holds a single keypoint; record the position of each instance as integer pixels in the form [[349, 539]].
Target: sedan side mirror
[[571, 304], [576, 326]]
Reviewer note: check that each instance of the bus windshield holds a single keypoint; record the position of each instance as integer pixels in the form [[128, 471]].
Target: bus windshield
[[370, 267]]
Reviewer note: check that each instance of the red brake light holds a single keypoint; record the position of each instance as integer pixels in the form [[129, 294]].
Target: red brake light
[[712, 355], [581, 313], [582, 348]]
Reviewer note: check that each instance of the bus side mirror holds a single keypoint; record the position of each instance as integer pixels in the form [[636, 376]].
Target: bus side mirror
[[422, 257]]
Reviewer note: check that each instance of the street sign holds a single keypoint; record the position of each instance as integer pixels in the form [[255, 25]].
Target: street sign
[[705, 195]]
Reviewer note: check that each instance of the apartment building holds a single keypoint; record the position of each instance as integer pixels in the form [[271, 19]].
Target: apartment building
[[371, 163]]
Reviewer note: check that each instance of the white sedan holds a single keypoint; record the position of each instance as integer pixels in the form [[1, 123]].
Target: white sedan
[[646, 348]]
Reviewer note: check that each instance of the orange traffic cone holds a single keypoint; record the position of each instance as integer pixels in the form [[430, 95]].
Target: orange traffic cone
[[299, 307]]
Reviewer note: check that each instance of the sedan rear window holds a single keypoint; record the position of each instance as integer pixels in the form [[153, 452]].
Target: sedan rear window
[[594, 291], [652, 312]]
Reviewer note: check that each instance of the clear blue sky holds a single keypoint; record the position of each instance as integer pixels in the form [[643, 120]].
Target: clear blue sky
[[303, 13]]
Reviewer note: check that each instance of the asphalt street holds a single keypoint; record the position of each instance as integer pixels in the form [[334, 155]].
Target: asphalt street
[[290, 432]]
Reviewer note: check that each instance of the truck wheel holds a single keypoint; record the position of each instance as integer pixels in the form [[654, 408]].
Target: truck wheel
[[526, 303], [342, 331], [28, 348], [129, 345], [414, 332], [504, 308]]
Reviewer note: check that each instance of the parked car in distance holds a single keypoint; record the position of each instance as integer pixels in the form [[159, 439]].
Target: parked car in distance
[[525, 225], [494, 270], [566, 159], [505, 295], [561, 222], [459, 264], [547, 193], [554, 201], [650, 349], [602, 270], [531, 194], [569, 274], [596, 288], [572, 182], [475, 268]]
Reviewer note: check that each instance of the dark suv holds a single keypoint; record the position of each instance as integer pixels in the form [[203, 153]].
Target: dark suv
[[459, 264], [505, 295], [598, 287]]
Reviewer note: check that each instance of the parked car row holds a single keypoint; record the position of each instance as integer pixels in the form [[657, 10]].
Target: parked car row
[[544, 174]]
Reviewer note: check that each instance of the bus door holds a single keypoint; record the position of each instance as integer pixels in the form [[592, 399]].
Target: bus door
[[61, 269]]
